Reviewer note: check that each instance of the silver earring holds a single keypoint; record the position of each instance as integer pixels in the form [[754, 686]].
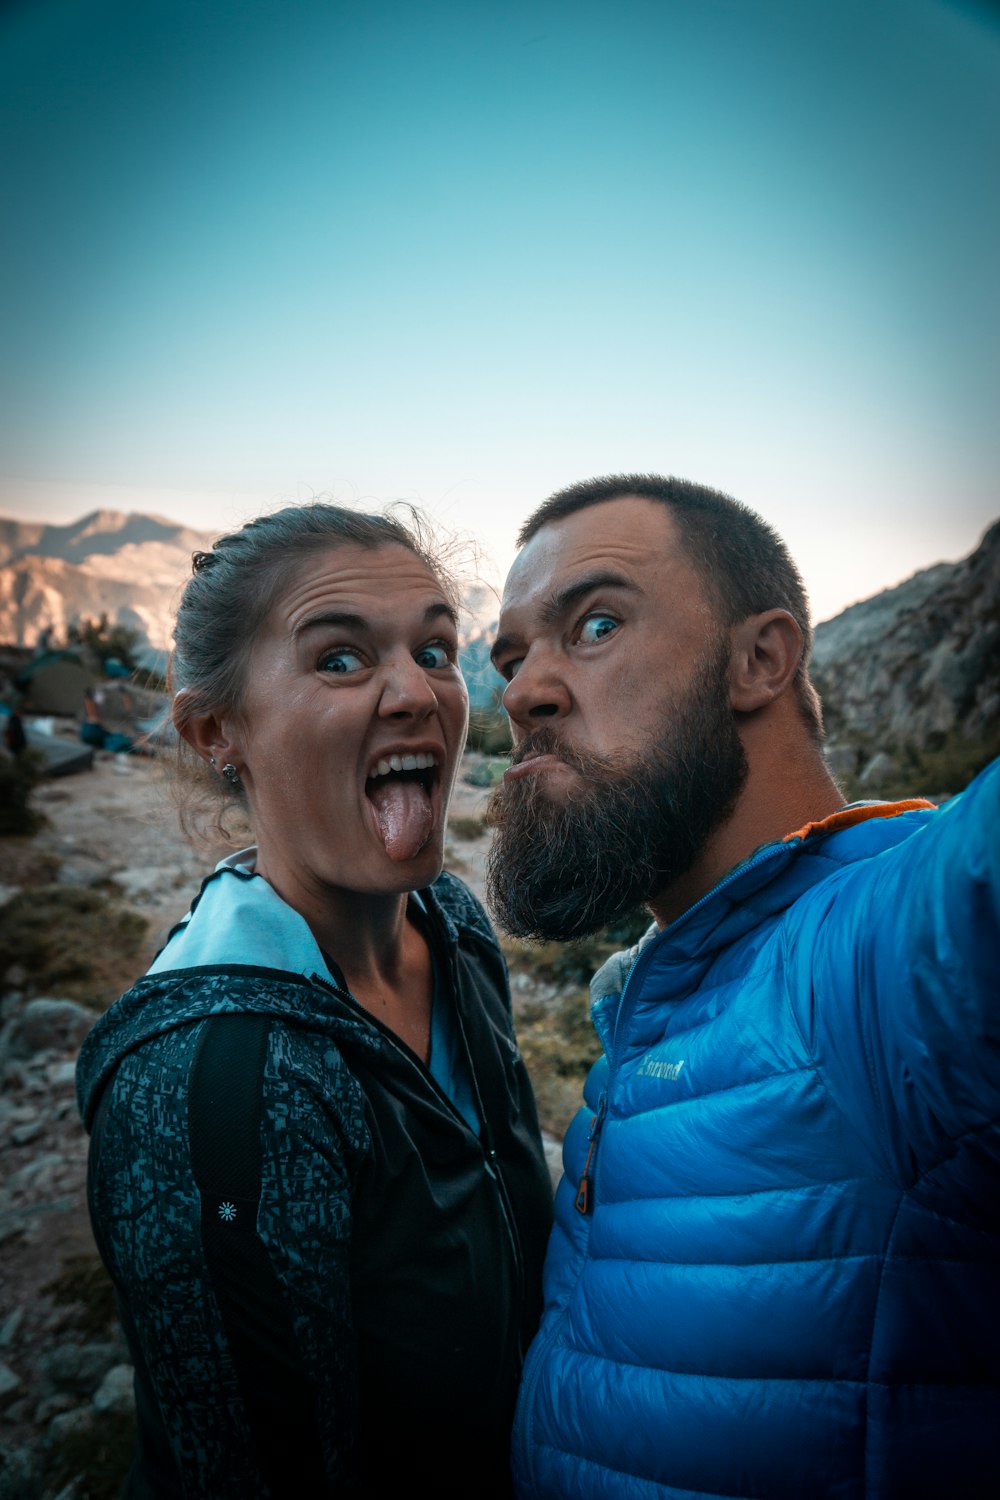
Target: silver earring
[[231, 774], [211, 761]]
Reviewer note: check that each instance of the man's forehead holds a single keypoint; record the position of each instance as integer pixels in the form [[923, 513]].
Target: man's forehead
[[632, 537]]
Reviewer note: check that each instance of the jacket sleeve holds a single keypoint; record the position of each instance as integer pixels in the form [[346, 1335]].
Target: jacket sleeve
[[244, 1356], [907, 999]]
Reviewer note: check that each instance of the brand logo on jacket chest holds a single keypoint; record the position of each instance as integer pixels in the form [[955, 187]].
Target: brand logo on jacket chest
[[649, 1068]]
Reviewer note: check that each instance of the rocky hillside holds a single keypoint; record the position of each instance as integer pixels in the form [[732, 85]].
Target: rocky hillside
[[910, 679], [129, 566]]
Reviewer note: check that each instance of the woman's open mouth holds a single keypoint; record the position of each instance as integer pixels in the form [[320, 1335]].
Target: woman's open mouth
[[401, 789]]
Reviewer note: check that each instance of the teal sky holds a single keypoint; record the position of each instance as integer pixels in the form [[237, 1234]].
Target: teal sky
[[465, 254]]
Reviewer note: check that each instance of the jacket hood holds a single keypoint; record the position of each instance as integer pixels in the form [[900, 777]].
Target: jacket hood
[[238, 917]]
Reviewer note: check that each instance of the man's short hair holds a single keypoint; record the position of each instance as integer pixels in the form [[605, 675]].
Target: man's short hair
[[742, 561]]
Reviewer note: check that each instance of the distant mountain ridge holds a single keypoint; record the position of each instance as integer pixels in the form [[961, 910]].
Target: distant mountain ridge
[[132, 566], [102, 532]]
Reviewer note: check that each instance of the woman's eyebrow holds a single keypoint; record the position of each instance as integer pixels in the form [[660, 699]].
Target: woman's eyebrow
[[441, 611], [341, 619]]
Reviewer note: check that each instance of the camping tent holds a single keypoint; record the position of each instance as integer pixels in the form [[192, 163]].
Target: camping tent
[[54, 683]]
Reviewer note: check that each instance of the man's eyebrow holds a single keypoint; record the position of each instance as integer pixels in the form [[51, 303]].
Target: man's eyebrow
[[606, 578], [557, 604], [342, 619], [502, 644]]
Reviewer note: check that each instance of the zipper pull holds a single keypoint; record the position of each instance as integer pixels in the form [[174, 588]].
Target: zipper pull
[[583, 1201]]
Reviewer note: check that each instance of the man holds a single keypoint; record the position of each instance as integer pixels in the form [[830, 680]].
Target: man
[[776, 1265]]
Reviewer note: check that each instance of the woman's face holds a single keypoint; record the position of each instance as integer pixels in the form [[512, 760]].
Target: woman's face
[[352, 725]]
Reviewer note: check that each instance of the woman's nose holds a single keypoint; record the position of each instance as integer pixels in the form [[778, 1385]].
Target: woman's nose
[[407, 690]]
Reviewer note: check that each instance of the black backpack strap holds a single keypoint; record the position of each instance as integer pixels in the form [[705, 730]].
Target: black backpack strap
[[224, 1124]]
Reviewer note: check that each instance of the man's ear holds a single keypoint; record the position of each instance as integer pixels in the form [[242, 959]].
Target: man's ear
[[209, 733], [767, 649]]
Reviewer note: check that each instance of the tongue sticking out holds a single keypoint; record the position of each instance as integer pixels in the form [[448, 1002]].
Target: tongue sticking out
[[404, 816]]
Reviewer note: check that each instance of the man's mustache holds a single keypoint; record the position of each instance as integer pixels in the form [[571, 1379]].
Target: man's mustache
[[538, 742], [546, 741]]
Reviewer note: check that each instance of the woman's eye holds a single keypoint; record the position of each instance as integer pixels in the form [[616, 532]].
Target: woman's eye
[[341, 660], [432, 656], [596, 627]]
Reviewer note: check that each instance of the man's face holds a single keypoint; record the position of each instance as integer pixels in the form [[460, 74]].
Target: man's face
[[626, 755]]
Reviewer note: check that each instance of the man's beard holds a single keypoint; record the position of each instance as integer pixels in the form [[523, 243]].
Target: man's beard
[[633, 824]]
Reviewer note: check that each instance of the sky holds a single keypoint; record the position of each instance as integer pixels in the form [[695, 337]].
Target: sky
[[464, 254]]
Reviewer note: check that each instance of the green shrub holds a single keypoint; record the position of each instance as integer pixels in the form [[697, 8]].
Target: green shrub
[[107, 642], [948, 767], [489, 732], [942, 769], [486, 773]]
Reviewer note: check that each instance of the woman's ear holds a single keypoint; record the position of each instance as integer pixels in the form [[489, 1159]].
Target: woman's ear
[[767, 649], [207, 732]]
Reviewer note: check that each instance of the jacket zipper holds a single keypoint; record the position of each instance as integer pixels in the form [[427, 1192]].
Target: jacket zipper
[[583, 1202], [492, 1162], [585, 1198]]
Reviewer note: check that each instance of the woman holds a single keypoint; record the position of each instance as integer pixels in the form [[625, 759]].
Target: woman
[[316, 1176]]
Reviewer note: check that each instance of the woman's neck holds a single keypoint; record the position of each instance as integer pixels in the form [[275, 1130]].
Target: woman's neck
[[382, 955]]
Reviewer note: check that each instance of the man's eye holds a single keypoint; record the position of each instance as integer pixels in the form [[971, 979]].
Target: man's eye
[[596, 627], [429, 657], [341, 660], [508, 670]]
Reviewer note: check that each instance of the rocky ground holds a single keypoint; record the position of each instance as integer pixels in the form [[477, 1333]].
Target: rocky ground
[[65, 1388]]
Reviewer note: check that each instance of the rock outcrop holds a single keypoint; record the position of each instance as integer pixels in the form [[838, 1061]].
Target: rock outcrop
[[916, 667]]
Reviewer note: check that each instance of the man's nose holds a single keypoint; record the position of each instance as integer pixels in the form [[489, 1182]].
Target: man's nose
[[537, 691]]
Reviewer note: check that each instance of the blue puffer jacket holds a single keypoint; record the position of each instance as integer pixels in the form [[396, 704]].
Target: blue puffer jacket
[[786, 1282]]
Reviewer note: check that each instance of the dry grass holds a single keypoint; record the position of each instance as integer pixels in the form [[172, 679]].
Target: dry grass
[[84, 1286], [466, 828], [559, 1046], [74, 942], [555, 1034], [25, 864], [97, 1458]]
